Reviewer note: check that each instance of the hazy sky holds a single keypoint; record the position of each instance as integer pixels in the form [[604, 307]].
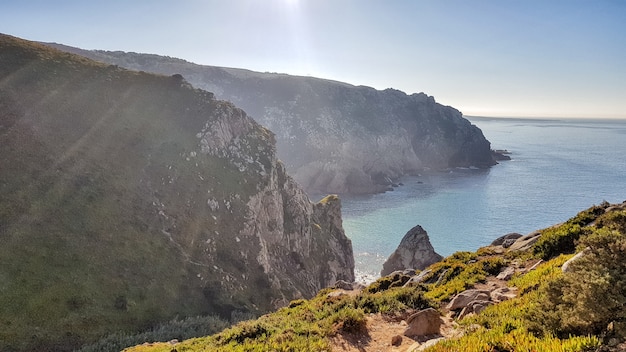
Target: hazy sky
[[485, 57]]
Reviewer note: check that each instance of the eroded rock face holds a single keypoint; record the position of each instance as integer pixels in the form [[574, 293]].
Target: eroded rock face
[[414, 252], [332, 136]]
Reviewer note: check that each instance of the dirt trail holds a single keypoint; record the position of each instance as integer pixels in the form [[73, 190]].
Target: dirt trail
[[380, 330]]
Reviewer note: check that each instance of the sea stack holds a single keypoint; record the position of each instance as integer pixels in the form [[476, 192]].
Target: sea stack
[[414, 252]]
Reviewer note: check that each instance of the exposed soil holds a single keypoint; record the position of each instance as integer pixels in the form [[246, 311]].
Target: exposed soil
[[380, 330]]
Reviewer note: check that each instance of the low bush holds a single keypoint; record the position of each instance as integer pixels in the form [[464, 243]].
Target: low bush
[[176, 329], [461, 272], [558, 240], [590, 295], [393, 300], [387, 282]]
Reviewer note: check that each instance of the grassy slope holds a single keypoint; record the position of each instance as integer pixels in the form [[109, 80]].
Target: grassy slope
[[508, 326], [84, 250]]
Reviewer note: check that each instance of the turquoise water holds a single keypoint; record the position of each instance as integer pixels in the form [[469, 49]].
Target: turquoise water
[[559, 167]]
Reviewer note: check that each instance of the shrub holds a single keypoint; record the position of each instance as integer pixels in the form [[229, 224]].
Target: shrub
[[586, 217], [461, 272], [592, 294], [615, 220], [393, 300], [562, 239], [349, 320], [559, 240], [175, 329], [387, 282]]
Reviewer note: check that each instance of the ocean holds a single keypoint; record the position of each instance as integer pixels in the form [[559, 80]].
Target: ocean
[[558, 168]]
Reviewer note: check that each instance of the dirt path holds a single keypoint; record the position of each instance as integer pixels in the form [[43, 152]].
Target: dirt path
[[380, 333], [380, 330]]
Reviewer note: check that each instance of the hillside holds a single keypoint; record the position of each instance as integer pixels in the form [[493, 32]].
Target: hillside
[[128, 199], [332, 136], [519, 294]]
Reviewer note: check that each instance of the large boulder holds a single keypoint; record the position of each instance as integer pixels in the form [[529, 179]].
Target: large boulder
[[414, 252], [507, 240], [425, 322], [467, 297]]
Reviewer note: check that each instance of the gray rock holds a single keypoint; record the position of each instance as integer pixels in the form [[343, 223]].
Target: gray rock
[[474, 307], [508, 243], [503, 294], [502, 239], [566, 266], [425, 322], [416, 279], [464, 298], [414, 252], [344, 285], [525, 242], [506, 274]]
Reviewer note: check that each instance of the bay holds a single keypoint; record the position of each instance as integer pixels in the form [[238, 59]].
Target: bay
[[558, 168]]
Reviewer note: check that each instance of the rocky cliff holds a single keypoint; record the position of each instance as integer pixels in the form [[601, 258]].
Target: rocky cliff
[[332, 136], [128, 198]]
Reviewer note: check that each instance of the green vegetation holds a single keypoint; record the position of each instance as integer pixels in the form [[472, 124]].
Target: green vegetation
[[461, 271], [562, 239], [329, 198], [591, 294], [176, 329], [505, 326], [92, 221], [554, 311], [305, 325], [103, 202]]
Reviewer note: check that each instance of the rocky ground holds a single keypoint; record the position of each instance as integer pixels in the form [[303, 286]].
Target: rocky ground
[[387, 333]]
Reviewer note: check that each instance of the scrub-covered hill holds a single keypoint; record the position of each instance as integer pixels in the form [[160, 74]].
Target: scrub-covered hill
[[129, 198], [527, 294]]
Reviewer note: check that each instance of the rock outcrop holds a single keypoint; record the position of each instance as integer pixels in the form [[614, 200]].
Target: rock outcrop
[[128, 198], [414, 252], [332, 136], [507, 240], [425, 322]]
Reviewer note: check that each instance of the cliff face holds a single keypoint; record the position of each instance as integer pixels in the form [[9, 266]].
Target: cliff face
[[128, 198], [334, 137]]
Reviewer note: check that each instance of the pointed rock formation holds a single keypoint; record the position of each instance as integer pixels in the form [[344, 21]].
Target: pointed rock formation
[[414, 252]]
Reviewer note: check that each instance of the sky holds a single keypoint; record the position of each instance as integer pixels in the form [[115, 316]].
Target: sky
[[503, 58]]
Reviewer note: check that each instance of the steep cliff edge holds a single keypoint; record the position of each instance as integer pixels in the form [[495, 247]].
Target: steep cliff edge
[[128, 198], [332, 136]]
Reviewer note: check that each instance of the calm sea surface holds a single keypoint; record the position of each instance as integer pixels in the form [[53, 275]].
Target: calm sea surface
[[559, 168]]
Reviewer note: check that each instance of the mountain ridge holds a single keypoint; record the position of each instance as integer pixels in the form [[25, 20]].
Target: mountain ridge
[[334, 137]]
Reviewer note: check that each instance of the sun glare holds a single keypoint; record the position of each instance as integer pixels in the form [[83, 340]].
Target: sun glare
[[291, 3]]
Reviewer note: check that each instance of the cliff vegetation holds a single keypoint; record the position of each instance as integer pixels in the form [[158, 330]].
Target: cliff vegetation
[[129, 199], [538, 296]]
